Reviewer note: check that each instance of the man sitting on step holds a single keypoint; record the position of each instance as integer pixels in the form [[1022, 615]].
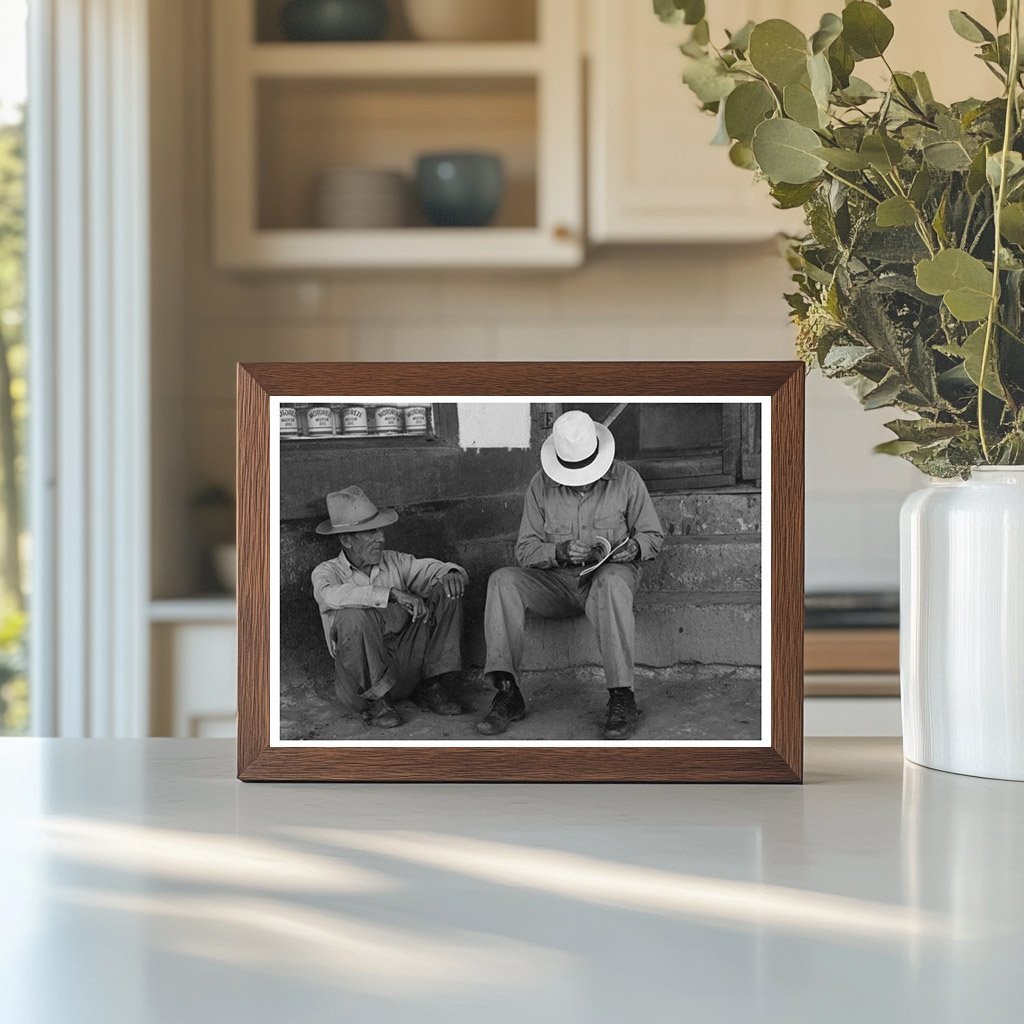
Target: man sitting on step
[[393, 623], [582, 493]]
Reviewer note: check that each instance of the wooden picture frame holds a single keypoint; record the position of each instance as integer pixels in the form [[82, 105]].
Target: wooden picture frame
[[779, 386]]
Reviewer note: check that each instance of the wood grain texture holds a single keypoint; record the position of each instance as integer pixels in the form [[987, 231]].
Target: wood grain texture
[[782, 762]]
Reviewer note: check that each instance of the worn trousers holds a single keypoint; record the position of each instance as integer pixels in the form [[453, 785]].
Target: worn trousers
[[553, 594], [381, 651]]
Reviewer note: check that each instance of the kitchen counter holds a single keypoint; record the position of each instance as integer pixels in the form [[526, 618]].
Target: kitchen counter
[[143, 884]]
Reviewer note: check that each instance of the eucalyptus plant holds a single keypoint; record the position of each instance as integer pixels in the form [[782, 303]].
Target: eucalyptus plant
[[910, 278]]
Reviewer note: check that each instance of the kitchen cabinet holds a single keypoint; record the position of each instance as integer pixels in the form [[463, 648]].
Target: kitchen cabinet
[[653, 175], [286, 113]]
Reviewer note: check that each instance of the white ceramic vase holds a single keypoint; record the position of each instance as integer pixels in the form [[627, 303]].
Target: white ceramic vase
[[962, 624]]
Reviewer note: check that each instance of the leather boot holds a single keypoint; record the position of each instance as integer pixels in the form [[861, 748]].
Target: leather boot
[[508, 706], [622, 713], [382, 714], [433, 695]]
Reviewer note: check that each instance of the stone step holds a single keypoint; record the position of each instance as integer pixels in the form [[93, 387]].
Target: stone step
[[699, 563], [708, 628], [706, 513]]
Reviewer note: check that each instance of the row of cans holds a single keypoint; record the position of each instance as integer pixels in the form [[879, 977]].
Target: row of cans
[[353, 420]]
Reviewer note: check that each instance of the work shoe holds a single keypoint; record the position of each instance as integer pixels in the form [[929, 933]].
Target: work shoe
[[508, 706], [433, 695], [622, 713], [382, 714]]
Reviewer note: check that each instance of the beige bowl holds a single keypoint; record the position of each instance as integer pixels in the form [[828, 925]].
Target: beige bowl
[[471, 20]]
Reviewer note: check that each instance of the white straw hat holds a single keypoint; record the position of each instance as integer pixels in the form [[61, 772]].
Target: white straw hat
[[579, 451]]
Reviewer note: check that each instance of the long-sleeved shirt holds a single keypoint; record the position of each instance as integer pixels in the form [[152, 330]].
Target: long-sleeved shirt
[[338, 584], [618, 504]]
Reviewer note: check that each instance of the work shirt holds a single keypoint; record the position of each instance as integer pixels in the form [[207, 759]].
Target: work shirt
[[618, 505], [338, 584]]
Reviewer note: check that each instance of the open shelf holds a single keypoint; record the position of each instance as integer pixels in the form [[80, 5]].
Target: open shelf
[[393, 60], [286, 114]]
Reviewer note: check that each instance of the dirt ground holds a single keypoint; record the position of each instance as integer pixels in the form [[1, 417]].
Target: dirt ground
[[694, 702]]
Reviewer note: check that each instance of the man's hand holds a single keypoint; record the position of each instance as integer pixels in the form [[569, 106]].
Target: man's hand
[[412, 603], [629, 553], [452, 585], [579, 552]]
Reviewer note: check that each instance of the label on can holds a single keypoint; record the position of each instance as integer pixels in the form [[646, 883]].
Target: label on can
[[353, 419], [320, 419], [416, 419], [389, 419], [289, 420]]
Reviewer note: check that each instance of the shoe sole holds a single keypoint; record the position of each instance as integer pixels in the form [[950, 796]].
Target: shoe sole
[[498, 732]]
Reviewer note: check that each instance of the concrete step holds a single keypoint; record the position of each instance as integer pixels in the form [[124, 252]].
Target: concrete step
[[705, 563], [671, 629], [707, 513]]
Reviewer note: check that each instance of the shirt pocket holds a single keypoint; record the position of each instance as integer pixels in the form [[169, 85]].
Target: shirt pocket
[[611, 526], [557, 529]]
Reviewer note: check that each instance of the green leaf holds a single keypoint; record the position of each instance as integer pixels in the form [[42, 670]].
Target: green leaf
[[708, 81], [921, 186], [742, 155], [999, 6], [820, 76], [963, 281], [745, 108], [947, 156], [885, 394], [969, 28], [994, 168], [939, 220], [778, 50], [830, 29], [866, 29], [701, 33], [859, 91], [924, 88], [676, 12], [896, 212], [1012, 224], [971, 352], [789, 197], [785, 152], [800, 105], [883, 153], [844, 159], [739, 41], [923, 431], [976, 175], [895, 447]]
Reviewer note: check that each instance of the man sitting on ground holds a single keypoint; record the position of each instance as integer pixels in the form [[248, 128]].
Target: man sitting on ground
[[393, 622]]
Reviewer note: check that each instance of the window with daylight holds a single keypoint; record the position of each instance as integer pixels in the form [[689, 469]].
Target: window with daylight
[[14, 547]]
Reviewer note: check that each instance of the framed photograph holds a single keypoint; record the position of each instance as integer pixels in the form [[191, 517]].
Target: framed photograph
[[520, 572]]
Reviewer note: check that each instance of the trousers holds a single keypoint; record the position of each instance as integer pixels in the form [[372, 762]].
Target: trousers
[[381, 651], [553, 594]]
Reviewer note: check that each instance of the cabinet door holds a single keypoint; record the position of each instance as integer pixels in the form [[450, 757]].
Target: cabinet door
[[654, 175]]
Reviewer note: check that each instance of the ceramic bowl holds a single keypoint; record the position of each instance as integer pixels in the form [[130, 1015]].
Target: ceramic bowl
[[460, 189], [334, 20]]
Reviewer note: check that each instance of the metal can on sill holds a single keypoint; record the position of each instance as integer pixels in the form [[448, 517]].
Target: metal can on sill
[[289, 421], [353, 420], [320, 420], [416, 421], [388, 419]]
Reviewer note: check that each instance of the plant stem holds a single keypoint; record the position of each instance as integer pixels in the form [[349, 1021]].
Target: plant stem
[[993, 309], [854, 186]]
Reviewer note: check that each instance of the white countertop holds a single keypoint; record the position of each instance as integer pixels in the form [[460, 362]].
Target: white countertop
[[143, 884]]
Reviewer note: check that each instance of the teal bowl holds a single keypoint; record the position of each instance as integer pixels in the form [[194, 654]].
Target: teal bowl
[[460, 190], [334, 21]]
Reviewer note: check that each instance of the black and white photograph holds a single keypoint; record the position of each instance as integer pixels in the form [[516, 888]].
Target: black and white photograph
[[544, 571]]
